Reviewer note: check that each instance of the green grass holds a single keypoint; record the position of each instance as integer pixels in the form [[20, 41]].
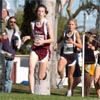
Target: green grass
[[21, 92]]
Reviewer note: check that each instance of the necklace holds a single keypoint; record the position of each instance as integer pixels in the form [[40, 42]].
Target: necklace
[[39, 24]]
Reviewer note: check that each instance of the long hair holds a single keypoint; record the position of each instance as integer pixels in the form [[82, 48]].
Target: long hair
[[41, 5]]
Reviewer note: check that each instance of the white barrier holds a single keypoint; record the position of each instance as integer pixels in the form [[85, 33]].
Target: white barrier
[[21, 71]]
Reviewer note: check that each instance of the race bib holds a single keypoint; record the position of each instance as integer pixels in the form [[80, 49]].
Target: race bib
[[68, 48], [38, 37]]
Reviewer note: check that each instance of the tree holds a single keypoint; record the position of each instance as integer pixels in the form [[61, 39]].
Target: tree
[[51, 6], [85, 5], [98, 18], [28, 16]]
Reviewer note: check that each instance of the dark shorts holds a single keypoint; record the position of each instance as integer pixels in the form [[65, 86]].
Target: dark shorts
[[70, 58], [98, 60]]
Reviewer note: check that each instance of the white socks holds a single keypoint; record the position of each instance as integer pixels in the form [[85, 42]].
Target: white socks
[[63, 79], [60, 84], [69, 93]]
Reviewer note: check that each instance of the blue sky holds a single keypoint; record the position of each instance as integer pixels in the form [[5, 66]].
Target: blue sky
[[14, 6], [90, 19]]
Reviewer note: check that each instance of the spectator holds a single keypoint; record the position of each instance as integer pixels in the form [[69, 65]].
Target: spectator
[[41, 29], [10, 44], [5, 14], [5, 17]]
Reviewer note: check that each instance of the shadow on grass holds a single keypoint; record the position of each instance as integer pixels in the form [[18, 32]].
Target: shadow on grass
[[57, 94], [20, 88], [24, 89]]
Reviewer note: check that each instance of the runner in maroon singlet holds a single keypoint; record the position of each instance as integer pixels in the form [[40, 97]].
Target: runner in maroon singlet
[[41, 29]]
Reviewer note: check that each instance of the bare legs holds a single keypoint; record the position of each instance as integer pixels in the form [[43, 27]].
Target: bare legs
[[97, 80], [62, 63], [32, 62], [70, 77], [42, 69], [77, 80], [87, 80]]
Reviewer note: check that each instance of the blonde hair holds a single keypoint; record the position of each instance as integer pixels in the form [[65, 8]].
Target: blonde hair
[[72, 19], [67, 22]]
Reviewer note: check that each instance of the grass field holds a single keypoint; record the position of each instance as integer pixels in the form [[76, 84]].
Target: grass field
[[21, 92]]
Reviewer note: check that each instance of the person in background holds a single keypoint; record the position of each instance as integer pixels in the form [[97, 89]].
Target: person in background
[[4, 20], [89, 59], [5, 17], [5, 14], [42, 36], [10, 44], [68, 55], [97, 76]]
